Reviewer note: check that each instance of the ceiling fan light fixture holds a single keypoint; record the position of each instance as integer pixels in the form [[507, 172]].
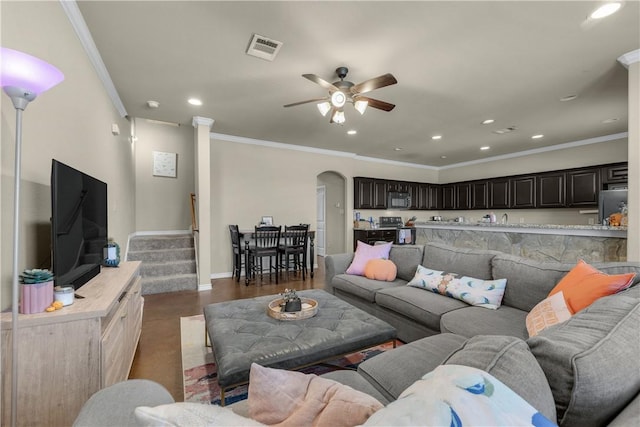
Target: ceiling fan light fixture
[[338, 99], [361, 105], [338, 117], [324, 108]]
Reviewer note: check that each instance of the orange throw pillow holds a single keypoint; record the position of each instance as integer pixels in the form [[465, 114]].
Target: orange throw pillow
[[381, 269], [584, 284]]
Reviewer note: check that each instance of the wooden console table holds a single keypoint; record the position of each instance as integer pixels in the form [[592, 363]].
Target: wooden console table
[[67, 355]]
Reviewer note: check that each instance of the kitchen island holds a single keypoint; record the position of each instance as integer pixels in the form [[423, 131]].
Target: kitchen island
[[541, 242]]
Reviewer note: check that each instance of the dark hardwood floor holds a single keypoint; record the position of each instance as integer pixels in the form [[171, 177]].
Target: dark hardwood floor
[[158, 355]]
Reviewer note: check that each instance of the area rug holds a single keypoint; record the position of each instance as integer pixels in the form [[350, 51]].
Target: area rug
[[199, 369]]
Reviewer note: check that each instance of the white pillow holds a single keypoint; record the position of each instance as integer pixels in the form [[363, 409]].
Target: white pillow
[[478, 292], [455, 395], [190, 414]]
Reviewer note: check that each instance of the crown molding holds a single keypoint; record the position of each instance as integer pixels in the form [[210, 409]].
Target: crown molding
[[78, 23], [629, 58], [202, 121]]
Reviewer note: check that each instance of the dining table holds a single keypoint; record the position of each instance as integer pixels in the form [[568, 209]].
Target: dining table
[[247, 236]]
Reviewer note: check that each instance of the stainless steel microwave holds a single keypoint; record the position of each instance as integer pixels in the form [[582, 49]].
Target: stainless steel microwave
[[398, 200]]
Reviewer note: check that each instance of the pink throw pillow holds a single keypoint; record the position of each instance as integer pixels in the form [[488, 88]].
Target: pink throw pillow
[[365, 253]]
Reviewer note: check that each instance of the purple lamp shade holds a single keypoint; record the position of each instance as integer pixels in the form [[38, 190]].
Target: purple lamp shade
[[27, 72]]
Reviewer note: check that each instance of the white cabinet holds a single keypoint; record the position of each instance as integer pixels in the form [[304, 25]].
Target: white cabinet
[[66, 356]]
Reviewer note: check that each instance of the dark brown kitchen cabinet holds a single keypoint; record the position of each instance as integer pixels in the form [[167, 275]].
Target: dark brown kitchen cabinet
[[400, 186], [435, 197], [370, 237], [583, 187], [479, 196], [363, 193], [414, 189], [423, 196], [463, 195], [551, 190], [615, 174], [369, 193], [448, 196], [499, 193], [523, 191]]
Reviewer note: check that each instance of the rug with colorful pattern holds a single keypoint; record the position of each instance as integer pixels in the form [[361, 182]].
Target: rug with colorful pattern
[[199, 369]]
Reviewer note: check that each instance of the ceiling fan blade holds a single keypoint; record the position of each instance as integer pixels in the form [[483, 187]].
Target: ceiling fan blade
[[374, 83], [306, 102], [325, 84], [376, 103]]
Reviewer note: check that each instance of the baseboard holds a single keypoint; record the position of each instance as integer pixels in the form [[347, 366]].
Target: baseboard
[[205, 287]]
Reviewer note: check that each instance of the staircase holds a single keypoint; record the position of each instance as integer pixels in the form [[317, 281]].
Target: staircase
[[168, 262]]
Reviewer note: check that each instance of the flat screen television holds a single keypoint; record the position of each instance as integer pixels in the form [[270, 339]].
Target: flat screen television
[[78, 225]]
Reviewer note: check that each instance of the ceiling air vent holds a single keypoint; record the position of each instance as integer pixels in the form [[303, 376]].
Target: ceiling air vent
[[263, 47]]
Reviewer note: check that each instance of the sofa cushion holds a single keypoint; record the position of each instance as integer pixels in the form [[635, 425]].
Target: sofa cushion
[[584, 284], [406, 258], [483, 293], [591, 360], [190, 414], [509, 360], [465, 262], [365, 253], [362, 287], [454, 395], [472, 321], [381, 269], [393, 371], [289, 398], [529, 281], [423, 307]]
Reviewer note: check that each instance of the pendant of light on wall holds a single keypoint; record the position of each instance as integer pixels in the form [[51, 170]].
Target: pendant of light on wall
[[338, 99]]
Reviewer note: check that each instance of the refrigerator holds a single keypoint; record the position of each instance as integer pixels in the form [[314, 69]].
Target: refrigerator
[[610, 201]]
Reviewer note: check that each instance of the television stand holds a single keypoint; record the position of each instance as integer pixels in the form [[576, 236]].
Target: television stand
[[67, 355]]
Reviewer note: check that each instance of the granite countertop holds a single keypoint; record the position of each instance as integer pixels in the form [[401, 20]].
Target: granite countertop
[[585, 230]]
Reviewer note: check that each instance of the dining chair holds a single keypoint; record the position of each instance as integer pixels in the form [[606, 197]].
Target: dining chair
[[266, 240], [293, 249], [237, 251]]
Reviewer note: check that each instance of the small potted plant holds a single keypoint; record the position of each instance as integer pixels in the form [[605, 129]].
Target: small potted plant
[[291, 301]]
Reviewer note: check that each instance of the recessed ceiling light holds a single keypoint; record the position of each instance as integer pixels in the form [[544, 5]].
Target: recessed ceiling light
[[443, 157], [538, 136], [436, 137], [605, 10], [397, 149], [153, 104], [611, 120], [486, 147], [352, 132], [488, 121], [194, 101], [568, 98]]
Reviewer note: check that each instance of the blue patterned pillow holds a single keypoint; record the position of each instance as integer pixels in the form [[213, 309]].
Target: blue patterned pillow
[[478, 292], [456, 396]]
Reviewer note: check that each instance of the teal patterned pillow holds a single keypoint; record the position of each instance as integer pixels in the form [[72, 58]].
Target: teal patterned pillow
[[478, 292]]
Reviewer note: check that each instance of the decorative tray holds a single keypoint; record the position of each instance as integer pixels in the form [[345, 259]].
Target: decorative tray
[[309, 309]]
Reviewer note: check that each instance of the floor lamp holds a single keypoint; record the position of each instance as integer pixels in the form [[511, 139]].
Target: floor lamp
[[22, 77]]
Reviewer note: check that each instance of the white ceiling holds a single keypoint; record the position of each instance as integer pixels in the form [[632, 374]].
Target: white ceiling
[[457, 63]]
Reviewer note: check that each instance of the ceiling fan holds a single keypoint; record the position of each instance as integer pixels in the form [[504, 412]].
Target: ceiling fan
[[344, 91]]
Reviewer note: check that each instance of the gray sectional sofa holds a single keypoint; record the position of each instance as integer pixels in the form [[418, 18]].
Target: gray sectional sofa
[[583, 372]]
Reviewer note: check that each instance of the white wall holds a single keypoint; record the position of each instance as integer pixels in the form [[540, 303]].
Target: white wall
[[163, 203], [71, 123]]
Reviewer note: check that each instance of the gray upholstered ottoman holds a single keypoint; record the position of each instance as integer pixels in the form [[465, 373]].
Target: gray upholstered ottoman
[[241, 333]]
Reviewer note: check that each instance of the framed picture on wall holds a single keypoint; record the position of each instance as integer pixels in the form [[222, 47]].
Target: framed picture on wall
[[267, 220], [164, 164]]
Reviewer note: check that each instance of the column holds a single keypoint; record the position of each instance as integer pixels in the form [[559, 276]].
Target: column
[[631, 61], [202, 163]]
